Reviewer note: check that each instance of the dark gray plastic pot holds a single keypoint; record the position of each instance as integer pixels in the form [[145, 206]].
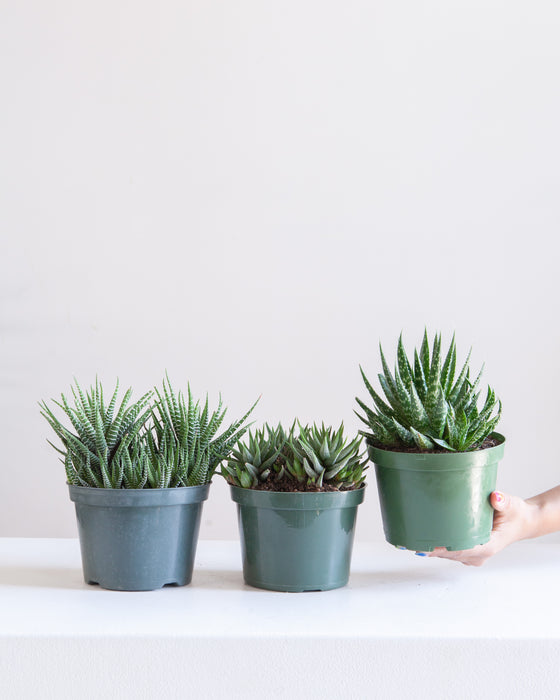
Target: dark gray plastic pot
[[138, 539], [437, 500], [296, 541]]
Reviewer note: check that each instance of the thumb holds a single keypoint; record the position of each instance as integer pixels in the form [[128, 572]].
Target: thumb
[[499, 501]]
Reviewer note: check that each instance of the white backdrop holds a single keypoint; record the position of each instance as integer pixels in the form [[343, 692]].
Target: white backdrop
[[252, 194]]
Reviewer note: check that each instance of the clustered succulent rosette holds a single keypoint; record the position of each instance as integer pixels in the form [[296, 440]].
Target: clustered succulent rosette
[[314, 457], [427, 407], [170, 443]]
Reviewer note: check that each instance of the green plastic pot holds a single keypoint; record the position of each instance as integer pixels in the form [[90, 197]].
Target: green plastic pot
[[437, 500], [138, 539], [296, 541]]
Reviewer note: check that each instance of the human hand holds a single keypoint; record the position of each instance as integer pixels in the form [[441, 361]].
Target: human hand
[[512, 522]]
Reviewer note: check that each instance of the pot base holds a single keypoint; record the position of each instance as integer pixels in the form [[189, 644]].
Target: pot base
[[313, 587], [423, 546], [110, 585]]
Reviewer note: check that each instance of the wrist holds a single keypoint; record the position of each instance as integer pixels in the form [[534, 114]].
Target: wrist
[[533, 523], [544, 512]]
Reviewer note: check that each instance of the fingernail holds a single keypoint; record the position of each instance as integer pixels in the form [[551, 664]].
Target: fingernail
[[401, 548], [499, 497], [421, 554]]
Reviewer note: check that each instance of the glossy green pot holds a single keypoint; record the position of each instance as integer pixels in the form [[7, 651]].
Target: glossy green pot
[[437, 500], [296, 541], [138, 539]]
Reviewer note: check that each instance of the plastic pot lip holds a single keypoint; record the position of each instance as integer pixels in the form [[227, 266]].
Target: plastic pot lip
[[121, 498], [299, 500], [440, 461]]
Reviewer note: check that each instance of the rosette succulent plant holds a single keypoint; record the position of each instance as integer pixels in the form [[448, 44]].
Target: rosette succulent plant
[[254, 461], [322, 455], [314, 458], [427, 406]]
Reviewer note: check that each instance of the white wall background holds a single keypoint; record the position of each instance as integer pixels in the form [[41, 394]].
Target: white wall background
[[252, 194]]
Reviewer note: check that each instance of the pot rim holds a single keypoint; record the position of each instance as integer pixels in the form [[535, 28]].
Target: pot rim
[[438, 461], [297, 500], [177, 495]]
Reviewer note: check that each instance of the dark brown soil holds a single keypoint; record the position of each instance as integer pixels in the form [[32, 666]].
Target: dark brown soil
[[488, 442], [287, 484]]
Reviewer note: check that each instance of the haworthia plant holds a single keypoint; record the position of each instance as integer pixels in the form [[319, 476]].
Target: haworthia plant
[[427, 405], [254, 460], [172, 443], [108, 448], [184, 447], [316, 456]]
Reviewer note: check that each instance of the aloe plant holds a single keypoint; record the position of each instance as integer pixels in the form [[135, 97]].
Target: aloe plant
[[427, 405], [315, 457], [183, 444], [108, 448]]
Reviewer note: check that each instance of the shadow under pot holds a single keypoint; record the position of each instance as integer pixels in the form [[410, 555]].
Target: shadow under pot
[[138, 539], [296, 541], [437, 499]]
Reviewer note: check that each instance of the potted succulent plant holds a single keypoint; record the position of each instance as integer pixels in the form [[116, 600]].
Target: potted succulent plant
[[434, 449], [138, 475], [297, 498]]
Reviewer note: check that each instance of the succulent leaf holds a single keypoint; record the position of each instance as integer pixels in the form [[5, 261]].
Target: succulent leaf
[[405, 411], [422, 441], [448, 369], [425, 354], [404, 435], [387, 372], [405, 369], [443, 443], [419, 377]]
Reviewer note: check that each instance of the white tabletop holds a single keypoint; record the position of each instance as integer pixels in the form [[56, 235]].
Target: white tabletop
[[397, 607], [390, 594]]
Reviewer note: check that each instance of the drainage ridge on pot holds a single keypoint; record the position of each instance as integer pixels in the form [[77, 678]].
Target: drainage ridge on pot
[[296, 535]]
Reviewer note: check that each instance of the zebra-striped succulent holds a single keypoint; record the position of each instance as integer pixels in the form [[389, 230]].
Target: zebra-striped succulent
[[313, 458], [183, 446], [427, 407], [108, 449], [170, 444]]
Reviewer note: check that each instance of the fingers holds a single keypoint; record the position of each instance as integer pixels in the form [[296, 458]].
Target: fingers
[[500, 501], [443, 553], [470, 557]]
